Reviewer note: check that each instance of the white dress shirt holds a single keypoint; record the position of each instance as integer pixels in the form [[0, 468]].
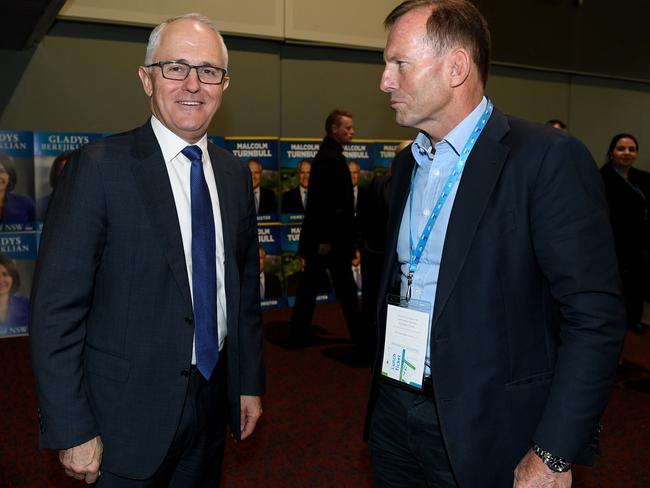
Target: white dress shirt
[[178, 168]]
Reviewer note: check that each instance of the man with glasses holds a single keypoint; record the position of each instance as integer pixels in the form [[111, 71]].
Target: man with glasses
[[140, 352]]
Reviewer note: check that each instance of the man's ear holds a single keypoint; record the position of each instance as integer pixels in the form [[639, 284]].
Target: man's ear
[[460, 63], [145, 78], [226, 82]]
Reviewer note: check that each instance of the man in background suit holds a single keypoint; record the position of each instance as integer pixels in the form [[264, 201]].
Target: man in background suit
[[518, 279], [265, 202], [295, 200], [145, 323], [327, 236]]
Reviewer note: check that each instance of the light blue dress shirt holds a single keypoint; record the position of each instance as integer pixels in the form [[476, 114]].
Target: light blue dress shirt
[[432, 169]]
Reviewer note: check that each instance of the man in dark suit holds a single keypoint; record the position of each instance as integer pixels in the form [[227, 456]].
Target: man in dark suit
[[265, 202], [270, 285], [327, 235], [145, 325], [516, 289], [294, 200]]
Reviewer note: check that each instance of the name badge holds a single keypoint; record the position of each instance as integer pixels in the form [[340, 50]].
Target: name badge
[[407, 331]]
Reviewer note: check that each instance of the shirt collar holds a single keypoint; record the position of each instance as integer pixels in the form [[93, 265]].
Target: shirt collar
[[455, 139], [170, 144]]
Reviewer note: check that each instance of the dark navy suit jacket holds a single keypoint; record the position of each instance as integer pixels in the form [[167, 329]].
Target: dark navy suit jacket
[[528, 317], [111, 319]]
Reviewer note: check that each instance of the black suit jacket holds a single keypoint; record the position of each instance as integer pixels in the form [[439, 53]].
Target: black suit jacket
[[528, 318], [111, 317], [329, 216], [268, 204], [292, 202]]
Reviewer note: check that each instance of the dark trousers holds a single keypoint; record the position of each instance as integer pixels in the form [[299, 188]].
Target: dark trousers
[[406, 445], [344, 287], [195, 455], [633, 292]]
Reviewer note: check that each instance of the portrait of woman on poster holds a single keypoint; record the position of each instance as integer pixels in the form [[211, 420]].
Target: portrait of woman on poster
[[14, 208], [13, 309]]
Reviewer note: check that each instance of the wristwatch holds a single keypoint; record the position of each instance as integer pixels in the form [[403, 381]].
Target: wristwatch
[[554, 463]]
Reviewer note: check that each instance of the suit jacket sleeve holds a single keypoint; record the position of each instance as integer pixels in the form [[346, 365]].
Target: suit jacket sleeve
[[572, 240], [61, 296]]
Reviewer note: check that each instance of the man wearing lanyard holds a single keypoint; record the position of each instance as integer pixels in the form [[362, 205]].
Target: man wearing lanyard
[[500, 317]]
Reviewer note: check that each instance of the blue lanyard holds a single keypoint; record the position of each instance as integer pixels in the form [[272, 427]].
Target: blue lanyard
[[416, 253]]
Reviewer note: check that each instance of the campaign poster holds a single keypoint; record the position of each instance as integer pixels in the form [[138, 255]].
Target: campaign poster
[[18, 210], [17, 261], [360, 157], [51, 153], [385, 151], [261, 156], [271, 277], [293, 266], [296, 156]]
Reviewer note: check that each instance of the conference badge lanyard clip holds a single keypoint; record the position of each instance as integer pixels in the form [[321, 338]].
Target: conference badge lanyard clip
[[407, 319]]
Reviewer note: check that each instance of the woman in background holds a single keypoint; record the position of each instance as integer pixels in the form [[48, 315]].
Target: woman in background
[[628, 190]]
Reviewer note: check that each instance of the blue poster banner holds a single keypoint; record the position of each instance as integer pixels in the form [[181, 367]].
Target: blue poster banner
[[51, 153], [384, 155], [272, 294], [296, 156], [261, 156], [17, 181]]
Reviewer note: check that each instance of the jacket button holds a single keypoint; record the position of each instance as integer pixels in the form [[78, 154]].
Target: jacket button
[[188, 320], [185, 372]]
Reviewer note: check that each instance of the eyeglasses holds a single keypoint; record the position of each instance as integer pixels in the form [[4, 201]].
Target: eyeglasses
[[179, 71]]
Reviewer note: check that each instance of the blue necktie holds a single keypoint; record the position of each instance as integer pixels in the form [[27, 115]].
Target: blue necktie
[[204, 274]]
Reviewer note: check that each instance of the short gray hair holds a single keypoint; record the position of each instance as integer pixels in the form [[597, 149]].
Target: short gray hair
[[154, 37]]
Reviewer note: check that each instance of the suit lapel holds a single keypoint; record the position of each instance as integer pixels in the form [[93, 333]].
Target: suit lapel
[[479, 178], [152, 180]]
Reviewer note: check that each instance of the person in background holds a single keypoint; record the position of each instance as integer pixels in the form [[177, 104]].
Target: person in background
[[499, 353], [558, 124], [145, 323], [327, 237], [294, 201], [628, 190], [14, 208], [373, 247]]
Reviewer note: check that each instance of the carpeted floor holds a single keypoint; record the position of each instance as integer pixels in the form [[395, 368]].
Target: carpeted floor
[[310, 434]]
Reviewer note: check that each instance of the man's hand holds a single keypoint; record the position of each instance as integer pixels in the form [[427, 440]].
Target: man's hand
[[83, 462], [324, 248], [251, 411], [531, 472]]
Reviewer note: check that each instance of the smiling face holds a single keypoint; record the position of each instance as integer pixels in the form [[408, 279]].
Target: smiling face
[[6, 281], [624, 153], [417, 79], [185, 107]]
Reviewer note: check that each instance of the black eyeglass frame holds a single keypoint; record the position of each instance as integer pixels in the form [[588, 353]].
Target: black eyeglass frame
[[161, 65]]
